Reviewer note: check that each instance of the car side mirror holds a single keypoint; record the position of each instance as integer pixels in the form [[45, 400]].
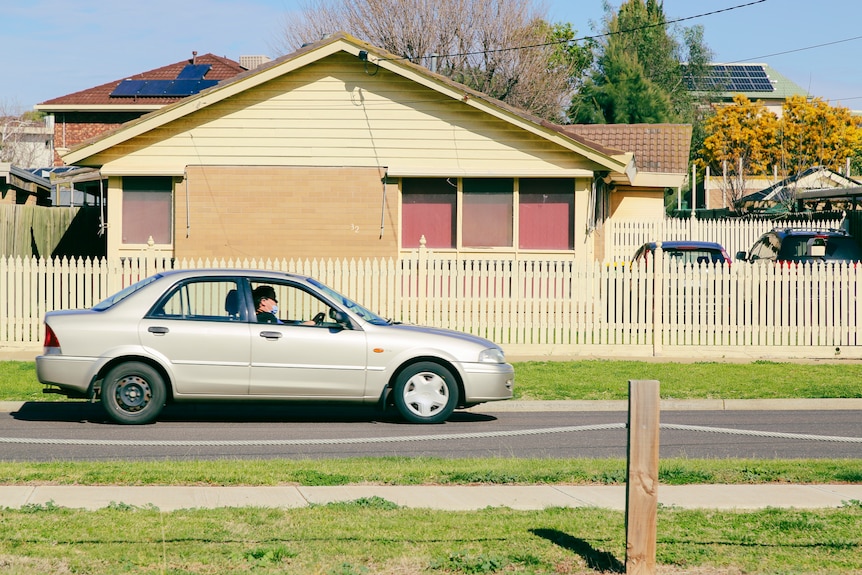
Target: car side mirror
[[340, 318], [741, 256]]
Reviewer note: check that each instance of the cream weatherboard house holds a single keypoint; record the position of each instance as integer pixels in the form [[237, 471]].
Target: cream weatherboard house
[[341, 150]]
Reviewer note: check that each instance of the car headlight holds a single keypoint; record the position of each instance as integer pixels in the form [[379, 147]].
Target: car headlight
[[492, 355]]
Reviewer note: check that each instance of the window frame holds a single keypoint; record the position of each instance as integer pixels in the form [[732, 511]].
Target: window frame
[[139, 185], [515, 247]]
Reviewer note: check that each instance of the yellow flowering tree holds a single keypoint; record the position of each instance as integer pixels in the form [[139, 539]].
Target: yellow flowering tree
[[813, 133], [745, 139], [740, 142]]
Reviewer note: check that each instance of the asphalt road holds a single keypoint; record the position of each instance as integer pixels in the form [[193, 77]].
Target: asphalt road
[[80, 431]]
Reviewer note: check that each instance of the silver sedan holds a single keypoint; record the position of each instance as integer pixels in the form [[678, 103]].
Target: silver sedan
[[260, 335]]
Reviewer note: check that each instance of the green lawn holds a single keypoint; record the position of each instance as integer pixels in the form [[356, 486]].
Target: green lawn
[[372, 536]]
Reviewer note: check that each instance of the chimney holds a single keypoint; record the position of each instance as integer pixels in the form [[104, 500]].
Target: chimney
[[249, 62], [194, 56]]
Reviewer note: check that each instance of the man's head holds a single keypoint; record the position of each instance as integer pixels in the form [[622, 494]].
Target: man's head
[[264, 297]]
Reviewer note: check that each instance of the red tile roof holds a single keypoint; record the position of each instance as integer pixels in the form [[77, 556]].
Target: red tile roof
[[658, 148], [222, 68]]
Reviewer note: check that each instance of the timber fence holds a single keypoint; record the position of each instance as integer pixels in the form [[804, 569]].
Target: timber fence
[[530, 307]]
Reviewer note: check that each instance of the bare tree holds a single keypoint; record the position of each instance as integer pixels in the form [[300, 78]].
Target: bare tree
[[503, 48], [22, 138]]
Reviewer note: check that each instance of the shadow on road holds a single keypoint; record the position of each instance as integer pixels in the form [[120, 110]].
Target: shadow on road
[[86, 412], [601, 561]]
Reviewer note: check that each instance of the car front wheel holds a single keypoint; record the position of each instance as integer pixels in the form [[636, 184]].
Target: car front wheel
[[426, 392], [133, 393]]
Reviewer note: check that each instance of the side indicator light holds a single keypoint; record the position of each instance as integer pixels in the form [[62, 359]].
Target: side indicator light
[[378, 350]]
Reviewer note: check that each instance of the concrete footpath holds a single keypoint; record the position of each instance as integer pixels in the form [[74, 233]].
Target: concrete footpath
[[452, 498]]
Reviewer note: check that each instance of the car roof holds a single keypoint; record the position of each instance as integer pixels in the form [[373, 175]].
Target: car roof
[[829, 232], [686, 244], [217, 272]]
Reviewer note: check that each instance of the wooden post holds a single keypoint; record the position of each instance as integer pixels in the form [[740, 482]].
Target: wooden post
[[642, 483], [693, 191], [658, 294], [421, 282]]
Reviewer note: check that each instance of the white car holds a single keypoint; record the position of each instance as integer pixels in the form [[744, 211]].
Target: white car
[[196, 335]]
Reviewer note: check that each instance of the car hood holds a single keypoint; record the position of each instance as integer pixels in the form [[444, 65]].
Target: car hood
[[425, 330]]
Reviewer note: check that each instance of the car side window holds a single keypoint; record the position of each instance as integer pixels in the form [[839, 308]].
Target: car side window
[[214, 299], [766, 248], [294, 305]]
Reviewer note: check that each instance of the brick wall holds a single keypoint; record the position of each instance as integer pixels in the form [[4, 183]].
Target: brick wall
[[284, 212], [73, 128]]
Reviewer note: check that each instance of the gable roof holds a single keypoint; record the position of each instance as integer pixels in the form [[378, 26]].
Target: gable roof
[[815, 179], [614, 160], [99, 98]]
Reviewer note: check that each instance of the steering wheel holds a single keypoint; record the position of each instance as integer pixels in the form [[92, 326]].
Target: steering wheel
[[318, 319]]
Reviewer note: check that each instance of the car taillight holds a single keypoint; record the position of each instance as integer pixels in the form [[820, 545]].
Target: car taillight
[[51, 343]]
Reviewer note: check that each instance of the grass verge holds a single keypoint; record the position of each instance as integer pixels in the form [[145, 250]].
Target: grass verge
[[374, 536], [424, 471]]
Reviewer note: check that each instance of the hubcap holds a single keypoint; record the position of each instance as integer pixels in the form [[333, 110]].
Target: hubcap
[[426, 393], [133, 393]]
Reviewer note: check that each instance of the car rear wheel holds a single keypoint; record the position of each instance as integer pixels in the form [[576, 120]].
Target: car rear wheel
[[133, 393], [426, 392]]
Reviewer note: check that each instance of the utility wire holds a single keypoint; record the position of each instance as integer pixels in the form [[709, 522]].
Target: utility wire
[[798, 50], [765, 56], [593, 37]]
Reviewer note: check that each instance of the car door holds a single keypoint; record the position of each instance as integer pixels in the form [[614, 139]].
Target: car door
[[198, 329], [292, 359]]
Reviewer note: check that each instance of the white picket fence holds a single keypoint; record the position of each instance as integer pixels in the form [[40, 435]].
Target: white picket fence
[[537, 308], [625, 237]]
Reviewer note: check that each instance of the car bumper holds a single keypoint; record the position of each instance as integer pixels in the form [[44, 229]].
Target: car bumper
[[69, 373], [488, 382]]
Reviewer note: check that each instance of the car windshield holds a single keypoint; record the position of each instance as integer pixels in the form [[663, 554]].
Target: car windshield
[[124, 293], [799, 249], [354, 307], [694, 256]]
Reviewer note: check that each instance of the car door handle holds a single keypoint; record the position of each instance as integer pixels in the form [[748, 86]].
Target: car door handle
[[270, 334], [158, 330]]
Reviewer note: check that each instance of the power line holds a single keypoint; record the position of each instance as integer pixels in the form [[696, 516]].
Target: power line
[[802, 50], [594, 36], [798, 49]]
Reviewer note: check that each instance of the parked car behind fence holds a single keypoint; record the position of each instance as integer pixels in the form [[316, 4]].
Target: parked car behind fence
[[802, 246]]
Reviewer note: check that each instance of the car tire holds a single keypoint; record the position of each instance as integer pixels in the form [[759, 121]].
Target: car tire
[[133, 393], [425, 392]]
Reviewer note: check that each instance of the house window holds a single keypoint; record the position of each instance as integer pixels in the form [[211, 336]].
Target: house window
[[428, 209], [488, 213], [546, 216], [147, 208]]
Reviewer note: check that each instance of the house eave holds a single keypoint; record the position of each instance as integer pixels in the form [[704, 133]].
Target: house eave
[[659, 180], [23, 179], [420, 172], [56, 108]]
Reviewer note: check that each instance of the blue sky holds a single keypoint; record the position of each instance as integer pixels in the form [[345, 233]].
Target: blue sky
[[52, 48]]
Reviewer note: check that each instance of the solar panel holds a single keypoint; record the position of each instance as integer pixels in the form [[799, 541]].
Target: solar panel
[[186, 87], [160, 88], [732, 78], [194, 72], [153, 88], [127, 88]]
